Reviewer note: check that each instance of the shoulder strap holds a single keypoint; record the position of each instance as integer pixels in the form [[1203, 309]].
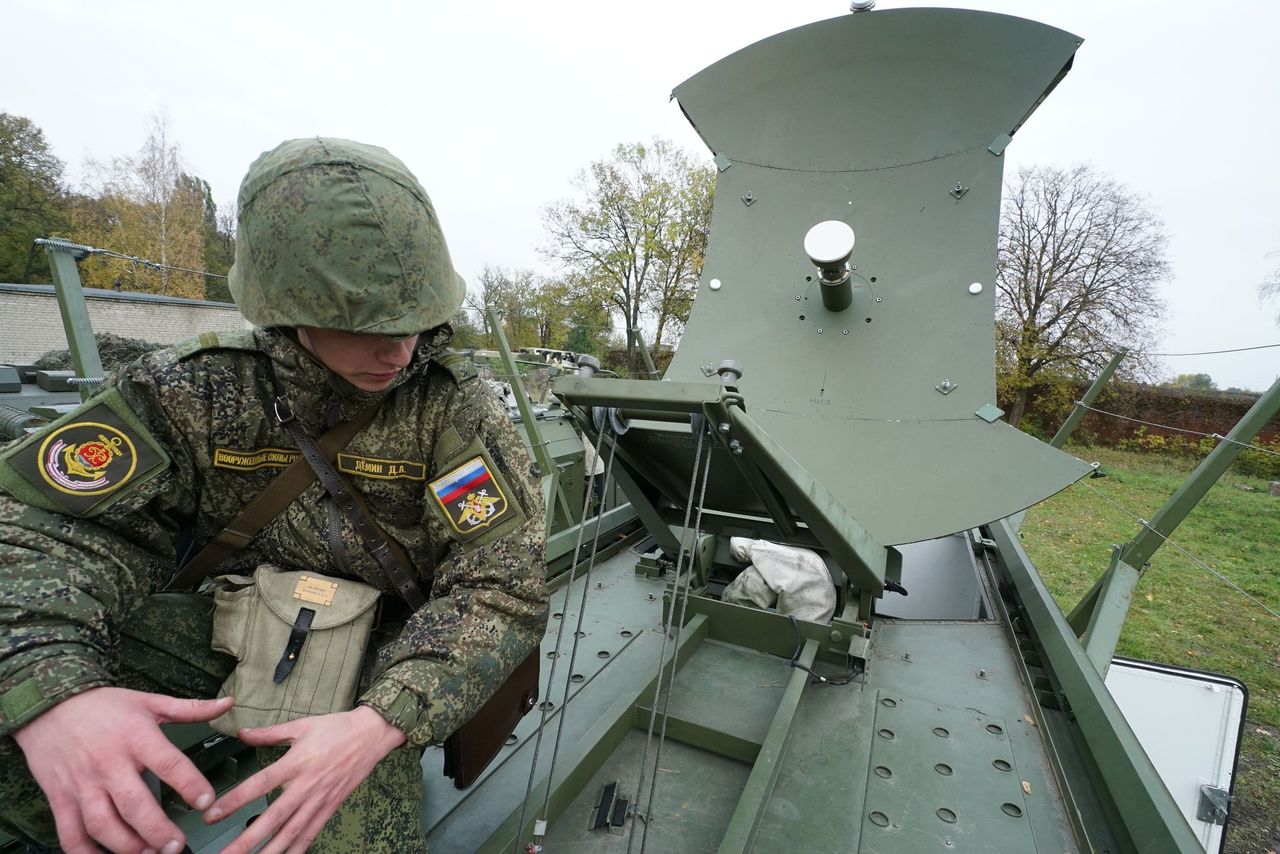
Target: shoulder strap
[[394, 562], [268, 504]]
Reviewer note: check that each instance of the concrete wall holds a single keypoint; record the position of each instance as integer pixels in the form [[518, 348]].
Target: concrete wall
[[30, 324]]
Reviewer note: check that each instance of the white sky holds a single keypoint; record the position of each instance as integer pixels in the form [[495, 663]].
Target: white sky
[[495, 105]]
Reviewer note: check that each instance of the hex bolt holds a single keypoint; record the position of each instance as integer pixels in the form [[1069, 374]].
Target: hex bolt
[[724, 426], [844, 332], [819, 330], [736, 447]]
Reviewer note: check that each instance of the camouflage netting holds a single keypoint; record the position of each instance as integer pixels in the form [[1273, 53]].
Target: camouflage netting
[[114, 350]]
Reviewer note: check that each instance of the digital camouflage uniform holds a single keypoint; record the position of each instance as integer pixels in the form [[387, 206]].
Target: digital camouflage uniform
[[186, 437]]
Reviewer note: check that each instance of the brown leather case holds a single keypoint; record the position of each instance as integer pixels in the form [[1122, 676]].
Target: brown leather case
[[470, 750]]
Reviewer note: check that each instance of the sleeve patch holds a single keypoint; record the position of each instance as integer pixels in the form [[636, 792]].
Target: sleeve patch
[[473, 497], [80, 463]]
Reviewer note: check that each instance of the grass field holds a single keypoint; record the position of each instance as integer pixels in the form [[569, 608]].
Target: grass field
[[1181, 613]]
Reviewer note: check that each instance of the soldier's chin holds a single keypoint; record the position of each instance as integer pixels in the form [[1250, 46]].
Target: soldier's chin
[[373, 382]]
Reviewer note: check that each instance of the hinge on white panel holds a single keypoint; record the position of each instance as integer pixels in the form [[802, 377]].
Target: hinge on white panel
[[1214, 804]]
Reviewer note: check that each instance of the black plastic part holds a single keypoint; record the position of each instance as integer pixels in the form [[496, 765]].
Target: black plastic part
[[600, 818], [619, 812]]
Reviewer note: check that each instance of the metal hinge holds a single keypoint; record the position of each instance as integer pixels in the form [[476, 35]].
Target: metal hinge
[[1214, 804]]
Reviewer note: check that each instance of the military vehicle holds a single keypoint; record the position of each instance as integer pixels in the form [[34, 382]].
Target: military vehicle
[[708, 686]]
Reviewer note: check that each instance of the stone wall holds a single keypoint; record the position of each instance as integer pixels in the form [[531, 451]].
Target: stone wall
[[31, 325]]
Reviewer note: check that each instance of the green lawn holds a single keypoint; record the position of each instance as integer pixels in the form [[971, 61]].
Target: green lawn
[[1181, 613]]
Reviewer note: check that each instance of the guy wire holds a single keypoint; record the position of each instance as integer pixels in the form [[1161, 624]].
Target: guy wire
[[543, 706], [1145, 524], [577, 629], [662, 653], [675, 652], [1217, 436]]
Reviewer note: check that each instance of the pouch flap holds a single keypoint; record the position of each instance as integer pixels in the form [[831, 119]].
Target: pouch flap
[[335, 600]]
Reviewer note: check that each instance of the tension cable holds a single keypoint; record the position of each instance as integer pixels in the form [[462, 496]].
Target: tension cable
[[1218, 436]]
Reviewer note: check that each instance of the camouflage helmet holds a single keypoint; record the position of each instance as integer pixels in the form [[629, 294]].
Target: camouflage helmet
[[340, 235]]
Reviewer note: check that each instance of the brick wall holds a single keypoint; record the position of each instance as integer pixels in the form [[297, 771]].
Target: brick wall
[[1188, 409], [30, 324]]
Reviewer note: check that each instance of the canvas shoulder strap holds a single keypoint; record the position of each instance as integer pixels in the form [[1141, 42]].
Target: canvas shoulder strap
[[268, 504]]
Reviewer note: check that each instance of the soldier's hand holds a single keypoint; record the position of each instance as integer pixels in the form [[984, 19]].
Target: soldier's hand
[[88, 752], [328, 756]]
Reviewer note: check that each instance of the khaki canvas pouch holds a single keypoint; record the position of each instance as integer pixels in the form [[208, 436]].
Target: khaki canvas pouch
[[254, 619]]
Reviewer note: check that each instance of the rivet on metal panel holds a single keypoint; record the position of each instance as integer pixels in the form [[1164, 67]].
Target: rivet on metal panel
[[879, 299], [797, 298], [819, 330], [982, 674], [844, 332], [714, 284]]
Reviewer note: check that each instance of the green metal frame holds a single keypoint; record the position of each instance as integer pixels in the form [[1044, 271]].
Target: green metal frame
[[1091, 394], [1126, 782], [75, 312], [554, 498]]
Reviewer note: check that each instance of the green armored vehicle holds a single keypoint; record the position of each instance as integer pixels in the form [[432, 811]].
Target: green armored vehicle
[[828, 637]]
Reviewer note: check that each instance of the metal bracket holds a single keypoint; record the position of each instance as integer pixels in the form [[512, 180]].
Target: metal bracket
[[1215, 803], [722, 162], [748, 198], [959, 190], [946, 386], [989, 412]]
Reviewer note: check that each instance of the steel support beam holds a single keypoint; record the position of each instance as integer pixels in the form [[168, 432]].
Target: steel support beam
[[551, 496], [1108, 615], [1150, 818], [1082, 406], [1137, 553], [745, 822], [74, 311]]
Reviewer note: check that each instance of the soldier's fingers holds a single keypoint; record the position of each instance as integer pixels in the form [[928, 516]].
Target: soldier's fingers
[[276, 734], [98, 821], [138, 807], [269, 825], [173, 767], [177, 710], [269, 778], [297, 834]]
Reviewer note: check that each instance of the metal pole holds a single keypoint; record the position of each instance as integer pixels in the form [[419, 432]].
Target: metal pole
[[539, 448], [75, 314], [1077, 414], [644, 353]]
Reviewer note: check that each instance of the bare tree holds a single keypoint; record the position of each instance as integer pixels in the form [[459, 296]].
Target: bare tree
[[1078, 270], [635, 232], [1270, 287]]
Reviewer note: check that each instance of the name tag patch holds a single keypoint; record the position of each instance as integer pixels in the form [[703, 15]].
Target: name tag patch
[[381, 469], [470, 496], [228, 458]]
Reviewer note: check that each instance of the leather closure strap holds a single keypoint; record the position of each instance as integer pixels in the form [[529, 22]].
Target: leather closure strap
[[293, 647]]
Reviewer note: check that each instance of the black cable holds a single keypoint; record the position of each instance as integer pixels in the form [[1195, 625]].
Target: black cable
[[817, 677]]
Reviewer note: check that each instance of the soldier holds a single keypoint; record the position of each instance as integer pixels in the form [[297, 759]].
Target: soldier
[[342, 267]]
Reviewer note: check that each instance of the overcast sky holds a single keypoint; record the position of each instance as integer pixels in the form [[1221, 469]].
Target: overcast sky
[[495, 105]]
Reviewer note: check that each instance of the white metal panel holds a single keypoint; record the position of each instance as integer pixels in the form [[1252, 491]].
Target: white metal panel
[[1189, 724]]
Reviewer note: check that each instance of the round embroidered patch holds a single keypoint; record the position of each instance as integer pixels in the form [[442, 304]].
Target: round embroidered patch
[[87, 458]]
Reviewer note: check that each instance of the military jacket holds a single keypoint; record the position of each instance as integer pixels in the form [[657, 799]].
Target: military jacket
[[96, 508]]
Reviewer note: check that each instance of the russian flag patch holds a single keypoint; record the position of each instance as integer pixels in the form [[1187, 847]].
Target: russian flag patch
[[470, 496]]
